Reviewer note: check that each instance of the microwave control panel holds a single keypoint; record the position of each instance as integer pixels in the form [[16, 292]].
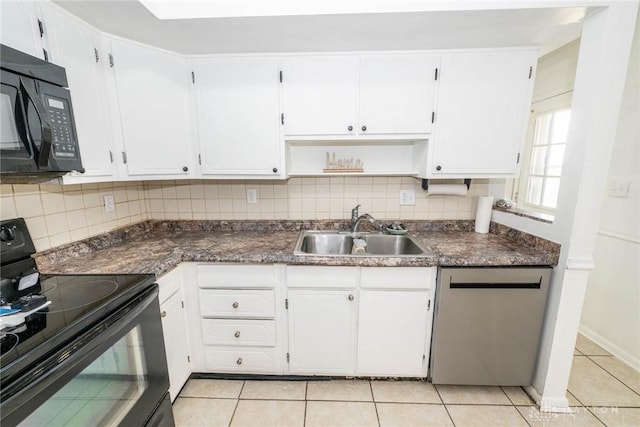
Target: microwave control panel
[[63, 141]]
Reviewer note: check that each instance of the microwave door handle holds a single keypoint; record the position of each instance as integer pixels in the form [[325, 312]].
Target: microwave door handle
[[45, 126]]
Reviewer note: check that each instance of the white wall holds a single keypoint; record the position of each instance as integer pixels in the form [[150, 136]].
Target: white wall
[[611, 312]]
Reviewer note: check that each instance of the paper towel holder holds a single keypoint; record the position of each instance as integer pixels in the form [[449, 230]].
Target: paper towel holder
[[425, 183]]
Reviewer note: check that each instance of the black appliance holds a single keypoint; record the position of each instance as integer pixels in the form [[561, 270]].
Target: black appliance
[[38, 139], [94, 356]]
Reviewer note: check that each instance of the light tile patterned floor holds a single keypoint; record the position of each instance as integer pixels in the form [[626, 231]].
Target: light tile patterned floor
[[602, 392]]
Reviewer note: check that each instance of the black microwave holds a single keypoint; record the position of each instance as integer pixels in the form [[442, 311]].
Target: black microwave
[[38, 139]]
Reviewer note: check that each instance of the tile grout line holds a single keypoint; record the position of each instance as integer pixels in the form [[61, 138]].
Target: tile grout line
[[237, 403], [445, 406], [610, 373], [306, 403], [514, 406], [375, 404]]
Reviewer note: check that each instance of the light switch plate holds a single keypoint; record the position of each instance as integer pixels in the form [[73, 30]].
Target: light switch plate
[[109, 203], [252, 196], [407, 197], [619, 188]]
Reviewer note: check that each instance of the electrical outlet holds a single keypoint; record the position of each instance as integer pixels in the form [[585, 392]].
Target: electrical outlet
[[252, 196], [619, 189], [407, 197], [109, 203]]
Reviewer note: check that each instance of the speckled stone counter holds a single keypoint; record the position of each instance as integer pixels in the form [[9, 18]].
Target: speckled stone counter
[[158, 246]]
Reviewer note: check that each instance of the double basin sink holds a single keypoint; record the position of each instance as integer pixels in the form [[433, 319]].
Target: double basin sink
[[332, 243]]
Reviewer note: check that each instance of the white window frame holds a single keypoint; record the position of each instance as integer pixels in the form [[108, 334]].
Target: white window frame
[[519, 190]]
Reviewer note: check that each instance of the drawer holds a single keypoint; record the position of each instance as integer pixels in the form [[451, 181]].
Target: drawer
[[240, 359], [236, 276], [239, 332], [322, 277], [398, 277], [237, 303]]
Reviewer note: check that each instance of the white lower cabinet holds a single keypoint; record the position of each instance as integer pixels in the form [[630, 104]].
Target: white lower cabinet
[[238, 325], [174, 325], [322, 325], [364, 321]]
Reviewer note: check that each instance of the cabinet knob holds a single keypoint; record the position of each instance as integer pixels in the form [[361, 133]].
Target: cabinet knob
[[364, 128], [350, 128], [185, 169], [239, 361], [275, 170], [350, 297], [163, 314], [438, 168], [235, 304], [237, 334]]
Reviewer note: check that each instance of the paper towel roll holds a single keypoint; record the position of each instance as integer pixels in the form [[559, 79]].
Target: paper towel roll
[[483, 213], [451, 189]]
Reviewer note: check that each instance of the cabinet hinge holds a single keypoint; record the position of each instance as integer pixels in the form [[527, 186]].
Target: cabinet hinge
[[286, 304], [111, 60], [45, 54], [41, 28], [429, 305], [436, 76], [193, 77], [433, 117], [424, 358], [288, 358], [95, 52], [518, 159], [124, 157], [530, 71], [282, 118], [188, 358], [182, 304], [280, 76], [111, 156], [199, 159]]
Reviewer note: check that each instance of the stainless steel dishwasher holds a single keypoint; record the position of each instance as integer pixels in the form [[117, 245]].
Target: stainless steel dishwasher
[[488, 323]]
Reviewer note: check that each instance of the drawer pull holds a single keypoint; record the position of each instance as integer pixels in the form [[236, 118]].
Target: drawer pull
[[237, 334], [163, 314], [239, 361], [235, 304], [350, 297]]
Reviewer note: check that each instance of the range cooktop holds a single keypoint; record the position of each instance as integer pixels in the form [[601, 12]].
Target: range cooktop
[[78, 302]]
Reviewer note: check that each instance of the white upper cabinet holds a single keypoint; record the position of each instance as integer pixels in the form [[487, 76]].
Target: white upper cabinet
[[76, 47], [397, 93], [19, 27], [483, 103], [320, 95], [389, 94], [238, 116], [153, 101]]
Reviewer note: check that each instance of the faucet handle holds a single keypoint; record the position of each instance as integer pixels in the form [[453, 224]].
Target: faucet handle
[[354, 211]]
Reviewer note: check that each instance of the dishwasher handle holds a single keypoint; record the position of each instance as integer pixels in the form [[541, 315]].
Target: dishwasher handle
[[497, 285]]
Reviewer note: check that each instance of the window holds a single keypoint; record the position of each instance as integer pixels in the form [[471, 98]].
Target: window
[[539, 183], [547, 155]]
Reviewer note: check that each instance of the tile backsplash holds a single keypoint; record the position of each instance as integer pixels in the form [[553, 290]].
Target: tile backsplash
[[58, 214]]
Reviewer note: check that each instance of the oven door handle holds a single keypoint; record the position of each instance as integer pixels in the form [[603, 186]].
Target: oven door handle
[[44, 152], [67, 362]]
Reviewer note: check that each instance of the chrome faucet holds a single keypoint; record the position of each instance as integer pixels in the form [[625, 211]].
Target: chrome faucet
[[355, 219]]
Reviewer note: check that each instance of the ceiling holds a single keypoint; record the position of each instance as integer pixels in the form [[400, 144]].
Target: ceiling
[[548, 28]]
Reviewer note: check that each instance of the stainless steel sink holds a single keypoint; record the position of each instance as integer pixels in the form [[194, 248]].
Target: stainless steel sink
[[340, 244]]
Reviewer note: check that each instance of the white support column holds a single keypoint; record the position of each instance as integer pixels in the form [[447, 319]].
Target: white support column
[[602, 67]]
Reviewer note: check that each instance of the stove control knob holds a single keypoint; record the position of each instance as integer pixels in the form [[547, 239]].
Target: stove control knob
[[7, 234]]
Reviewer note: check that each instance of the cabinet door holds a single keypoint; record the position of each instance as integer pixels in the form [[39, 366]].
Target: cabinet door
[[483, 100], [392, 333], [154, 110], [320, 95], [19, 27], [238, 115], [321, 332], [175, 342], [397, 93], [76, 47]]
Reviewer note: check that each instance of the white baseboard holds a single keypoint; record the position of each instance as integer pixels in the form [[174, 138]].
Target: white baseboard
[[549, 404], [628, 358]]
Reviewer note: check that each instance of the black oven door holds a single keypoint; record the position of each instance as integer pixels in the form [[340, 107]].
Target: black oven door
[[113, 374], [16, 150]]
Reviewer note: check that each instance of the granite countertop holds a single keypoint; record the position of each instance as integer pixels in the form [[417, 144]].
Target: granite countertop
[[158, 246]]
